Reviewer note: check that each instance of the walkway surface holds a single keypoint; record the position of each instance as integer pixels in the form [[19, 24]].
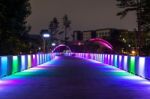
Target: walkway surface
[[74, 78]]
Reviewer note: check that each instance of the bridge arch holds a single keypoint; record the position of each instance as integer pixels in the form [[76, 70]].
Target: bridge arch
[[61, 46], [102, 42]]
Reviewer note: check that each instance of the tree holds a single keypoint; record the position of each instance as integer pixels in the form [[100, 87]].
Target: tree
[[66, 23], [142, 8], [13, 14], [53, 28]]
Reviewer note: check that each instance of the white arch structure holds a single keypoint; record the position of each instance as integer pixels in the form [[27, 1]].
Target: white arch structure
[[59, 46]]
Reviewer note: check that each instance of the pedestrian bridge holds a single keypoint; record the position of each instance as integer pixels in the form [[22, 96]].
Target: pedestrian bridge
[[74, 76]]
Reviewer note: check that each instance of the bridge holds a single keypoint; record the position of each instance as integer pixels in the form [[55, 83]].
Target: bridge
[[67, 75], [74, 76]]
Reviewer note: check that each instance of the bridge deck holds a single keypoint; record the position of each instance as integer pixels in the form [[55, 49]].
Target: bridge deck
[[74, 78]]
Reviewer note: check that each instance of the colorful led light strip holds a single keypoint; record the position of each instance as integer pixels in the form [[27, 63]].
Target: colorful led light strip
[[34, 60], [59, 46], [125, 63], [115, 61], [23, 62], [4, 66], [132, 65], [29, 61], [120, 61], [141, 66], [15, 64]]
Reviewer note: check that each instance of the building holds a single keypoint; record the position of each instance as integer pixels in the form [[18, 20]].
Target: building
[[86, 35], [103, 33], [106, 33], [77, 36], [119, 37], [83, 35]]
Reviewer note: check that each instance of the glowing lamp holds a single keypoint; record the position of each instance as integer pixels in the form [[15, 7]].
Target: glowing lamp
[[46, 35], [53, 44]]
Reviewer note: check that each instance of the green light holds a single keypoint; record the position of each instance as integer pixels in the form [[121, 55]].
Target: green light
[[117, 73], [132, 65], [15, 64], [29, 61]]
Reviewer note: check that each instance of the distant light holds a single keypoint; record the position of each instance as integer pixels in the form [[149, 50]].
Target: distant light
[[46, 35], [39, 48], [79, 43], [53, 44], [129, 45], [133, 52]]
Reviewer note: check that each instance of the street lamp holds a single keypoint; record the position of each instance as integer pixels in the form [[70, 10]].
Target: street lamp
[[53, 44], [45, 36]]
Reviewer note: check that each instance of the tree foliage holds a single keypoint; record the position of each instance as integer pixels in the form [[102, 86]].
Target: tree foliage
[[13, 24], [53, 27], [66, 23], [142, 8]]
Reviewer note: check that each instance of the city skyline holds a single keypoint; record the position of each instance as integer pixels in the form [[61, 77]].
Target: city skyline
[[84, 15]]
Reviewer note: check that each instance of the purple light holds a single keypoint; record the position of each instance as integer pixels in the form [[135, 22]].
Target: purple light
[[37, 56], [108, 59], [34, 60], [134, 65], [105, 58], [112, 59]]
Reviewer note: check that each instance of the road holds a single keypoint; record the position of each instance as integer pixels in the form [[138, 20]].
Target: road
[[74, 78]]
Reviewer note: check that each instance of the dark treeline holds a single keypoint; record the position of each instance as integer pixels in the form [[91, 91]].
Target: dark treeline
[[13, 26]]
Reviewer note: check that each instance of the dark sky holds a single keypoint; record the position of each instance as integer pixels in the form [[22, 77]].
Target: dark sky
[[84, 14]]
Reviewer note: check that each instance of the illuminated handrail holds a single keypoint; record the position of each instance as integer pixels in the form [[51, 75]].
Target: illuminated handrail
[[13, 64], [136, 65]]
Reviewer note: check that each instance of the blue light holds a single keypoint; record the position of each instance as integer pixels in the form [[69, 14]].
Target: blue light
[[4, 66], [23, 63]]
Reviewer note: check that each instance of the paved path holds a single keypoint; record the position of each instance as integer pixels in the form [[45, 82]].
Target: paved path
[[74, 78]]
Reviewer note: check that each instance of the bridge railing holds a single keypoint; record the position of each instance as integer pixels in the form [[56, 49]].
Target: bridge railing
[[133, 64], [13, 64]]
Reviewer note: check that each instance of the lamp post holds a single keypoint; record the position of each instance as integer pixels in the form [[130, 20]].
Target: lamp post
[[45, 36]]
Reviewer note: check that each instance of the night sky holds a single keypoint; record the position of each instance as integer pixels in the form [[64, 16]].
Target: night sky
[[84, 14]]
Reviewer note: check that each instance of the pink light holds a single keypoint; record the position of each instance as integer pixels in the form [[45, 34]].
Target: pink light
[[102, 42], [9, 81]]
